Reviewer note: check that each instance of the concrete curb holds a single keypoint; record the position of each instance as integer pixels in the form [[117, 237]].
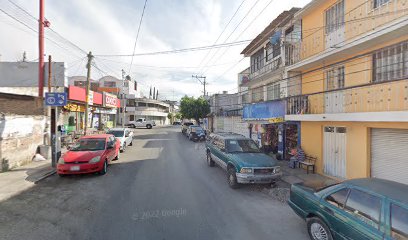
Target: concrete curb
[[48, 174]]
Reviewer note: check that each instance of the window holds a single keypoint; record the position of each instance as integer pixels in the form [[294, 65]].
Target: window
[[269, 52], [391, 63], [257, 94], [276, 49], [338, 198], [257, 61], [378, 3], [364, 206], [273, 91], [109, 84], [335, 78], [335, 17], [79, 83], [399, 222], [142, 104]]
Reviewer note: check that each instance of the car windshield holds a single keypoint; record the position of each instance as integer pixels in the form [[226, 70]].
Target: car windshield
[[117, 133], [90, 145], [242, 146]]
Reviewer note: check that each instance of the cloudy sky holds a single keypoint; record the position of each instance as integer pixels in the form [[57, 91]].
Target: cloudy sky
[[109, 28]]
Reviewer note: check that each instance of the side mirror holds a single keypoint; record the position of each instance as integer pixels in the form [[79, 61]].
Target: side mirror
[[110, 145]]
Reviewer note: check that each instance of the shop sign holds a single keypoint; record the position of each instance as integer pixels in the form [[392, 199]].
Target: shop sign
[[276, 120], [264, 110], [74, 107], [109, 100]]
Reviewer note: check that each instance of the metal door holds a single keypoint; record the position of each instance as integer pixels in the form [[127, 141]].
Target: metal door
[[334, 151]]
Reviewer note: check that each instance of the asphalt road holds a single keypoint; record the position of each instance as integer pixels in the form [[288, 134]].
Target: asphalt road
[[161, 188]]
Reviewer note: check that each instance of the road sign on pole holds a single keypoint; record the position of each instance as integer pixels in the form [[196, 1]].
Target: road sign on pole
[[56, 99]]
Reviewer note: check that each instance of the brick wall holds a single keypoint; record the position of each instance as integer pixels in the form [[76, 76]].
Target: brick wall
[[20, 105]]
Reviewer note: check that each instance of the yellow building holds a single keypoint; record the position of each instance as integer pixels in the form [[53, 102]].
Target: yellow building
[[353, 60]]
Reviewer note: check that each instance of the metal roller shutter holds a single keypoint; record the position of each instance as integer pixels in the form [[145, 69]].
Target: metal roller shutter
[[389, 154]]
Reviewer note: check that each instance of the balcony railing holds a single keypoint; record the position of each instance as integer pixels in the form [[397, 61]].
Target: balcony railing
[[360, 20], [379, 97], [292, 53], [267, 68]]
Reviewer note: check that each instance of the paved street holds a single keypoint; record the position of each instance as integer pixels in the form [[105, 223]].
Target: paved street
[[161, 188]]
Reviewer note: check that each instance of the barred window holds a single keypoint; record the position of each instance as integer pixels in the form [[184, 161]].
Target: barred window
[[257, 94], [391, 63], [273, 91], [378, 3], [335, 17], [335, 78]]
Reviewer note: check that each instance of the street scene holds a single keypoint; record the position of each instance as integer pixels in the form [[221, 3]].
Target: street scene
[[197, 119]]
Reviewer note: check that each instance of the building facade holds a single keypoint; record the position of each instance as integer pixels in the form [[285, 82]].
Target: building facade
[[264, 86], [353, 106], [150, 109]]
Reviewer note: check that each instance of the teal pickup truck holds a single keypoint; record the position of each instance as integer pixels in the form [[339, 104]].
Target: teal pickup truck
[[242, 159], [367, 208]]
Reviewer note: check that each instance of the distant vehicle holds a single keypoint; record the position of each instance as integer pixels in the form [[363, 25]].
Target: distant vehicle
[[142, 122], [124, 135], [195, 133], [176, 123], [366, 208], [242, 159], [184, 127], [92, 154]]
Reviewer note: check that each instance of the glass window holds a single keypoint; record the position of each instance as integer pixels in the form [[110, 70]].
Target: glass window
[[116, 133], [378, 3], [338, 198], [335, 78], [109, 84], [243, 146], [89, 144], [399, 222], [364, 206], [335, 17], [273, 92], [391, 63]]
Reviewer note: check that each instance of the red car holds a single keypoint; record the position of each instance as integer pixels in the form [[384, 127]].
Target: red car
[[92, 154]]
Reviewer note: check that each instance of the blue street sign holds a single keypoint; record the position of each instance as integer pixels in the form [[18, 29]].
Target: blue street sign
[[56, 99]]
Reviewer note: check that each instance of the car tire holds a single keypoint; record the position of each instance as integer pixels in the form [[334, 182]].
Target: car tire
[[232, 178], [148, 126], [317, 229], [132, 126], [62, 175], [210, 162], [131, 143], [123, 148], [104, 168]]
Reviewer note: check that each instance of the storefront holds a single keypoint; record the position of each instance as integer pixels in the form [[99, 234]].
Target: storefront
[[269, 129], [110, 103]]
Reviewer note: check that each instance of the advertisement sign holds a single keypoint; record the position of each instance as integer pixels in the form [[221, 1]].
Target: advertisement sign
[[90, 97], [265, 111], [72, 107], [110, 100]]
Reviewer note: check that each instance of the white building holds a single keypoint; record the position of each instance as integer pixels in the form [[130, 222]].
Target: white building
[[146, 108]]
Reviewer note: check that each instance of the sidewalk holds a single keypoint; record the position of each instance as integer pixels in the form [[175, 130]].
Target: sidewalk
[[19, 179]]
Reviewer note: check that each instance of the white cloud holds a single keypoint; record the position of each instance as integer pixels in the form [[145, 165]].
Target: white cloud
[[109, 27]]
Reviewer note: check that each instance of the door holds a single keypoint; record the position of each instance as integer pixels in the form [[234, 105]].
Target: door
[[111, 151], [334, 151], [217, 151], [388, 154]]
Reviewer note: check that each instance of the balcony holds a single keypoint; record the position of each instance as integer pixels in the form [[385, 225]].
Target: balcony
[[382, 97], [365, 26], [269, 67]]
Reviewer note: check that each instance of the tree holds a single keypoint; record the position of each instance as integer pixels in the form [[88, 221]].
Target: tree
[[178, 116], [194, 108], [170, 117]]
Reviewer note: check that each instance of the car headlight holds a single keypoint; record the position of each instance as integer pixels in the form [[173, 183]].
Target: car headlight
[[61, 160], [95, 159], [246, 170], [277, 169]]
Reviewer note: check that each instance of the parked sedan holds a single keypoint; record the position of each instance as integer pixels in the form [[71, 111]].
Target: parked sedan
[[195, 133], [124, 135], [91, 154], [366, 208]]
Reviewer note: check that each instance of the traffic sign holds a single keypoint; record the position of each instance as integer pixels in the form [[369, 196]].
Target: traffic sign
[[56, 99]]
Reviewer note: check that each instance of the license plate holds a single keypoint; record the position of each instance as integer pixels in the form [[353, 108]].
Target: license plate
[[75, 168]]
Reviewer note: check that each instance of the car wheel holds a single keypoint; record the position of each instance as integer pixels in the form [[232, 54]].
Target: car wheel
[[210, 162], [123, 148], [117, 156], [133, 126], [104, 168], [232, 178], [131, 143], [148, 126], [318, 230], [61, 175]]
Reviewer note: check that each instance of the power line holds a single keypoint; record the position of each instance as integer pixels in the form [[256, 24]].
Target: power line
[[137, 35], [232, 17], [178, 50]]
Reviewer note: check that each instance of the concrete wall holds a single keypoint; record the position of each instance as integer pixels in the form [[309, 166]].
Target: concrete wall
[[20, 136], [231, 124]]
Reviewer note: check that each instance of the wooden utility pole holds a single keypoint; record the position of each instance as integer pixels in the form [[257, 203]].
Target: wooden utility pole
[[49, 73], [88, 83], [124, 99]]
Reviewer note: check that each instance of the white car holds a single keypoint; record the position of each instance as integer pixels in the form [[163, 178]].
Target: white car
[[141, 122], [124, 135]]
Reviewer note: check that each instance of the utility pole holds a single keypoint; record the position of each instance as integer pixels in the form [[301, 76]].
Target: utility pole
[[41, 51], [124, 99], [204, 83], [88, 83], [49, 73]]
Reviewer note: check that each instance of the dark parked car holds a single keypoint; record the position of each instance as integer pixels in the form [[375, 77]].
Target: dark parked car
[[195, 133], [242, 159], [176, 123], [366, 208]]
